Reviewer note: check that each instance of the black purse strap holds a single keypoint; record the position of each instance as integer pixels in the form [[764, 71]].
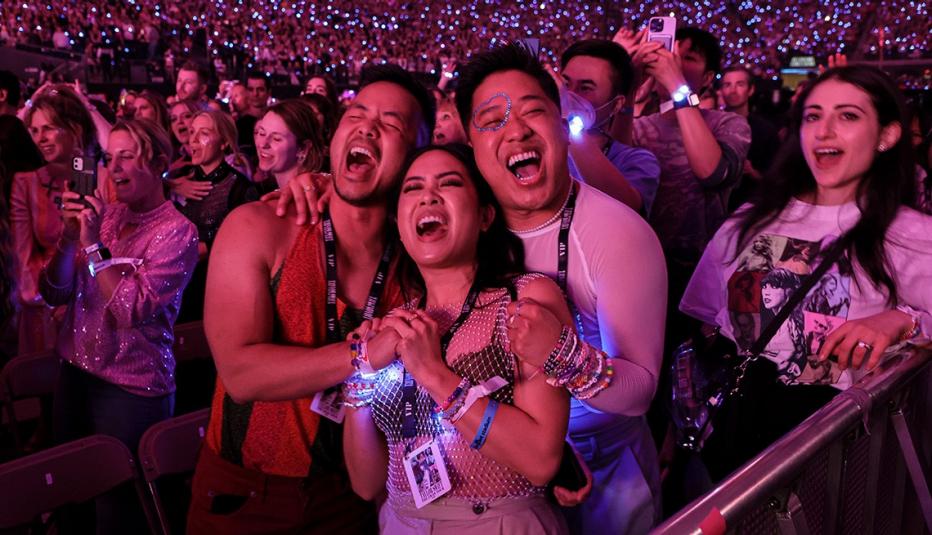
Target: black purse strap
[[830, 258]]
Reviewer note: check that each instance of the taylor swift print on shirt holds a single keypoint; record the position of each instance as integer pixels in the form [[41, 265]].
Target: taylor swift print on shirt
[[770, 270]]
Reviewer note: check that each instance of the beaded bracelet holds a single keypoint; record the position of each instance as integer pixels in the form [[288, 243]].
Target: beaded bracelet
[[458, 392], [604, 381], [483, 432], [358, 391]]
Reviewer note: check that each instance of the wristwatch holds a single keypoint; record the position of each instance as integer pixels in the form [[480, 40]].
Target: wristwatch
[[683, 97]]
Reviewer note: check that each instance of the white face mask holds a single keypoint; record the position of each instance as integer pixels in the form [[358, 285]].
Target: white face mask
[[580, 113]]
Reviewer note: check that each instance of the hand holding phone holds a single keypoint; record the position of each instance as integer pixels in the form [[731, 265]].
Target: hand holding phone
[[662, 30], [83, 176]]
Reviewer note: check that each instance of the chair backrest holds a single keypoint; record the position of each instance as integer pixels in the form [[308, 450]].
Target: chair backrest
[[70, 473], [190, 342], [172, 446], [30, 375]]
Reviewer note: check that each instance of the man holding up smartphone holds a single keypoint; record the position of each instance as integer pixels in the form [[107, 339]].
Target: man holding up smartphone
[[701, 152]]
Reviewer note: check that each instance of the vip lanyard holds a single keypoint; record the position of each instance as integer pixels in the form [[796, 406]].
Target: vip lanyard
[[375, 291], [563, 238], [409, 385]]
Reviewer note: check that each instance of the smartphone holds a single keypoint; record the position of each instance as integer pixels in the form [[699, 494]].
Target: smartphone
[[662, 30], [83, 176]]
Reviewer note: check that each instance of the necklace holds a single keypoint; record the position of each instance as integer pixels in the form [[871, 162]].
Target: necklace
[[550, 221]]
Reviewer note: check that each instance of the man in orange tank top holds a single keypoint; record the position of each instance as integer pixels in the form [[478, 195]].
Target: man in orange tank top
[[271, 463]]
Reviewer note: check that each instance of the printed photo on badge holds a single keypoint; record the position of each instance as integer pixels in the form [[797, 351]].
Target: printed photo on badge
[[427, 474], [329, 404]]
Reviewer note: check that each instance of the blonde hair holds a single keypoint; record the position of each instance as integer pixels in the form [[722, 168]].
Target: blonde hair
[[226, 128], [153, 141]]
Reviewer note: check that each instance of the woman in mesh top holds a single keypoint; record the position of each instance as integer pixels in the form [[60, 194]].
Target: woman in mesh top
[[462, 435]]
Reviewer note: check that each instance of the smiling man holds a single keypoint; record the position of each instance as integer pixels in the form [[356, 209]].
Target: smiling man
[[606, 258], [271, 463]]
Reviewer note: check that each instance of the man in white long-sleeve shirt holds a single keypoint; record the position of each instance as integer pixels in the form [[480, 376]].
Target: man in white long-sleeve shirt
[[615, 275]]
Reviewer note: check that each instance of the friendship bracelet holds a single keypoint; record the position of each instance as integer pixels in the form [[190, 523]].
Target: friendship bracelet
[[457, 392], [483, 430], [605, 380]]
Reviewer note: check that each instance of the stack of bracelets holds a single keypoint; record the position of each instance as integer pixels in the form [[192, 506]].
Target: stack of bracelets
[[451, 408], [464, 396], [582, 369]]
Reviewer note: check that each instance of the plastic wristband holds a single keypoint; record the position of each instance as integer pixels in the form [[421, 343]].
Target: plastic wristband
[[93, 248], [476, 393], [483, 430]]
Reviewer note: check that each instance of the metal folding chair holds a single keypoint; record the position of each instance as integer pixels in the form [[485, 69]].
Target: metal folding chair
[[166, 448], [23, 377], [71, 473]]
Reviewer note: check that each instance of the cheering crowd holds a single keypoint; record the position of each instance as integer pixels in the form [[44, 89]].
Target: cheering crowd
[[340, 38], [453, 308]]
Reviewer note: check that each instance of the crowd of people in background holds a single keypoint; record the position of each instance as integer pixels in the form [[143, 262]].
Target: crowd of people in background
[[296, 39], [428, 304]]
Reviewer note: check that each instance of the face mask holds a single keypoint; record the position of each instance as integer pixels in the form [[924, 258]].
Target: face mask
[[580, 114]]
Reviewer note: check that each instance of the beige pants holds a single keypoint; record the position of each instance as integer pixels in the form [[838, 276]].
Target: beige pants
[[507, 516]]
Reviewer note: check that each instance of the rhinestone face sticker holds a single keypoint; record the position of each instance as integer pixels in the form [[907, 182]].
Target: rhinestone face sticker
[[492, 115]]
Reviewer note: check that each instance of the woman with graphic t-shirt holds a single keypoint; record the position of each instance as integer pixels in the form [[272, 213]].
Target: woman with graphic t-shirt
[[846, 168]]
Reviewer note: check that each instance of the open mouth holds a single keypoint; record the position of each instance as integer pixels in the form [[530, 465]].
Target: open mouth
[[828, 156], [524, 166], [120, 181], [361, 160], [431, 227]]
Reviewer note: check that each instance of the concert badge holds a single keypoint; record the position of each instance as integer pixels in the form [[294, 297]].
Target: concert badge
[[427, 474], [329, 404]]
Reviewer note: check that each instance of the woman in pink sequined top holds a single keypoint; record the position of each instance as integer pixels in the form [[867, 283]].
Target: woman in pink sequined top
[[121, 269], [450, 462]]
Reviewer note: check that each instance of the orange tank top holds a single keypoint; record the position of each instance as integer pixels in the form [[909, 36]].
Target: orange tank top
[[278, 438]]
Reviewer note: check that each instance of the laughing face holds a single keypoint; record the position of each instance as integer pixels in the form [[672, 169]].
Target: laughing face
[[439, 214], [839, 136], [521, 152], [370, 143]]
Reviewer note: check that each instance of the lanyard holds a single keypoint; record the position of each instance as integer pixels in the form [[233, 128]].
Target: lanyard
[[409, 385], [375, 291], [563, 238]]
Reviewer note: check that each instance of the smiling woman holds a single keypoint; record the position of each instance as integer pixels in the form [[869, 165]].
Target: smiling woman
[[846, 170], [121, 269], [62, 129], [288, 140]]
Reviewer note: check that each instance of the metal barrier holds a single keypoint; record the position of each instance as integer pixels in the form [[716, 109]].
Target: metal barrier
[[840, 471]]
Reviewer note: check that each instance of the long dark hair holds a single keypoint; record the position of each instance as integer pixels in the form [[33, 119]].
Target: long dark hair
[[499, 253], [888, 184]]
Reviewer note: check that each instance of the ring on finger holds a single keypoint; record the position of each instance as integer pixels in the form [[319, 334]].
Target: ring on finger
[[864, 345], [308, 188]]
